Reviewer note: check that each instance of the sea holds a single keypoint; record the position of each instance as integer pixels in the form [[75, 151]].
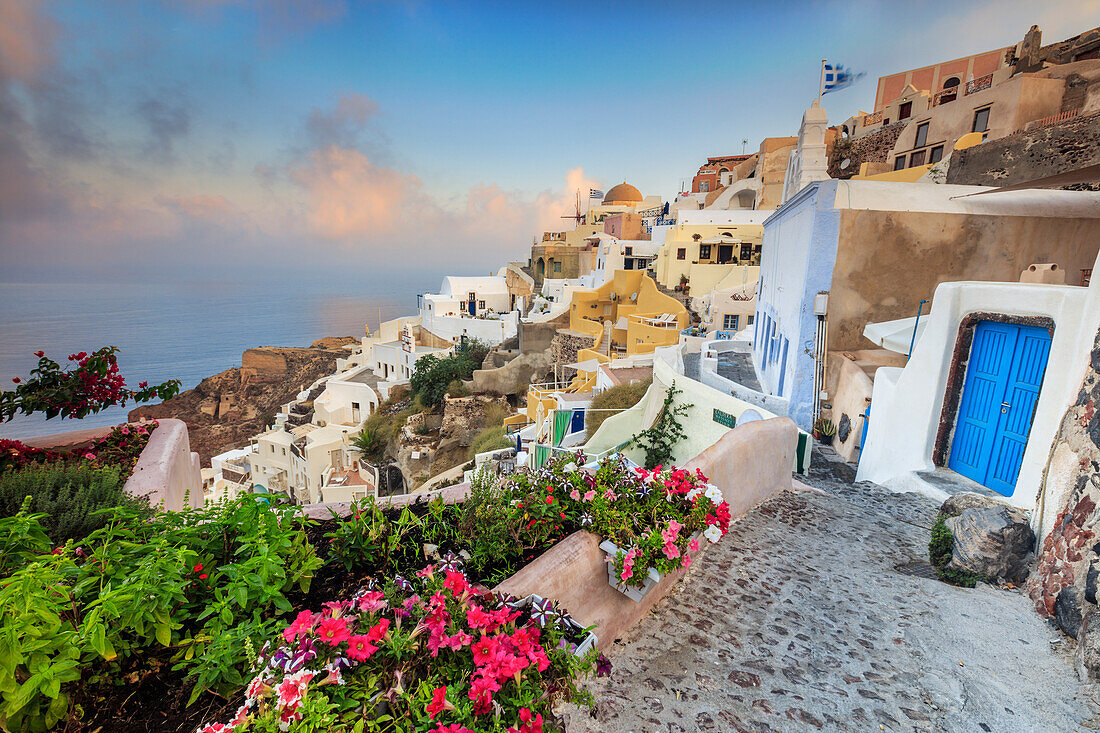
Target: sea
[[185, 330]]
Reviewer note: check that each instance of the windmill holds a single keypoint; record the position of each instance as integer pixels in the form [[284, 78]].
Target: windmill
[[577, 216]]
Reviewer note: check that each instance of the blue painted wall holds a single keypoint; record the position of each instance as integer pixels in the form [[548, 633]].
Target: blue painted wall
[[796, 264]]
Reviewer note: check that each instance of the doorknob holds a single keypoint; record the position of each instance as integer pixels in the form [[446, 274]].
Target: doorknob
[[1004, 407]]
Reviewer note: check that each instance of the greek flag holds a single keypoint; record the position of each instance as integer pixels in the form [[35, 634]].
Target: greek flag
[[837, 78], [594, 193]]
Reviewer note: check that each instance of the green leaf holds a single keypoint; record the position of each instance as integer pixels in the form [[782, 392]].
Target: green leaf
[[164, 634]]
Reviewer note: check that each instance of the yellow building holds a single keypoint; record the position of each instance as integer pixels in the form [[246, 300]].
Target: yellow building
[[627, 315], [705, 254]]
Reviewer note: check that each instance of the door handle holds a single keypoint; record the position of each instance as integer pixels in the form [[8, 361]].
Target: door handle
[[1005, 407]]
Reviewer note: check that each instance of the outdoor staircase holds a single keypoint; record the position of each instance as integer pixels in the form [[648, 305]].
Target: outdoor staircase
[[605, 342], [684, 298]]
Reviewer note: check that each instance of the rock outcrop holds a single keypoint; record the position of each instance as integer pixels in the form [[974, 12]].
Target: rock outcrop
[[225, 410]]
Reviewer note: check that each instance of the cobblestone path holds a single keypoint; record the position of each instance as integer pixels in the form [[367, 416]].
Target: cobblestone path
[[798, 620]]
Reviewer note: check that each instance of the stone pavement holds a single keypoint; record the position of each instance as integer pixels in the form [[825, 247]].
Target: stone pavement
[[800, 621]]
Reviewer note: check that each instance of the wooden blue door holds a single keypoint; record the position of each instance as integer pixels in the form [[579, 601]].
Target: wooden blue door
[[1003, 378]]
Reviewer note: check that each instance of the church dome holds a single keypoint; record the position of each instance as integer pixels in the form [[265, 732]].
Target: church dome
[[624, 193]]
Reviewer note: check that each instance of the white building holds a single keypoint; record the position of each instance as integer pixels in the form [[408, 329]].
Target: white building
[[229, 475], [474, 307], [348, 398], [984, 391], [310, 464], [393, 350], [614, 254]]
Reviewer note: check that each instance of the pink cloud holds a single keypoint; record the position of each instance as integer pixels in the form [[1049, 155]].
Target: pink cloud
[[349, 196], [26, 39]]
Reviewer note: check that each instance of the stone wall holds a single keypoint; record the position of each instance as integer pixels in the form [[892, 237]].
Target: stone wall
[[566, 344], [1030, 154], [1064, 583], [464, 417], [537, 337], [872, 148]]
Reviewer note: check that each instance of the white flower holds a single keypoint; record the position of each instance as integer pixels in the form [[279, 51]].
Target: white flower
[[712, 533], [713, 493], [570, 468], [694, 493]]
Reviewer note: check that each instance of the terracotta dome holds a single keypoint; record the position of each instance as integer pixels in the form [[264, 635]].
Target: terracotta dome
[[624, 193]]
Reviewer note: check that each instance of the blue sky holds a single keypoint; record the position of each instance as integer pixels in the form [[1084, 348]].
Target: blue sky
[[290, 134]]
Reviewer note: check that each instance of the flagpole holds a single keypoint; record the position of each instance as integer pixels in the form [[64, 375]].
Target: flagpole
[[821, 85]]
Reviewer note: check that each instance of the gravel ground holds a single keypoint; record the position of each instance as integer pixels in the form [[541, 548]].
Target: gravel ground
[[800, 620]]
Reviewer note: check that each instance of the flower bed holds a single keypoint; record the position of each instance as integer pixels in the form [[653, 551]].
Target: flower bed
[[432, 654], [220, 579]]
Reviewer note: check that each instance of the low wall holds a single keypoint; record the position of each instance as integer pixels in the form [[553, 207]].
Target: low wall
[[852, 396], [749, 464], [167, 472], [708, 375]]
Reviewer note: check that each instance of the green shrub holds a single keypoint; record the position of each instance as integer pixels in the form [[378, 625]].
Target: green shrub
[[68, 495], [433, 375], [457, 389], [187, 589], [621, 397], [490, 439]]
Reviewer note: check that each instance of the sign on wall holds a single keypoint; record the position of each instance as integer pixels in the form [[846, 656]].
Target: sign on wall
[[724, 418]]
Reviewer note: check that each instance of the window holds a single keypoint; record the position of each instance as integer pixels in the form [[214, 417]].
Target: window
[[557, 266], [729, 322], [951, 82], [981, 120], [703, 187], [628, 251], [905, 111], [681, 254], [750, 319], [917, 158], [899, 162], [935, 155], [922, 135], [704, 251], [481, 303], [284, 451]]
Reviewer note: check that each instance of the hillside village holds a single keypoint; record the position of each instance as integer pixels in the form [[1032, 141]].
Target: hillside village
[[892, 306]]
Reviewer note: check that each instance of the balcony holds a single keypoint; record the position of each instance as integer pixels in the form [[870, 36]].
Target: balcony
[[977, 85]]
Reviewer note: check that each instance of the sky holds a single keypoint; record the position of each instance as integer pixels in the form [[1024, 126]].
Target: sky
[[282, 139]]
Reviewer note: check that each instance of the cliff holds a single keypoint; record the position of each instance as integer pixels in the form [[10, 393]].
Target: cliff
[[227, 409]]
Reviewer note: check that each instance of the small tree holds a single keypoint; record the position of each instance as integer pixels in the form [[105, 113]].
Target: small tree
[[90, 383]]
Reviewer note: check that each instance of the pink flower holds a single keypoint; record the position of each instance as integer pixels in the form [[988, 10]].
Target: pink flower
[[530, 723], [90, 456], [372, 601], [378, 631], [687, 560], [360, 648], [693, 546], [575, 495], [671, 550], [302, 624], [589, 495], [256, 688], [332, 631]]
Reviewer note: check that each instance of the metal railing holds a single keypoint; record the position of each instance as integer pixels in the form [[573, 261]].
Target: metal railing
[[977, 85]]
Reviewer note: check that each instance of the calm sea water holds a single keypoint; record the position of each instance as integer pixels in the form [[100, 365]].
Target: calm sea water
[[185, 331]]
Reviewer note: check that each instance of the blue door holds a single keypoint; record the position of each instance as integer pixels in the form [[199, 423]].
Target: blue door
[[1005, 372]]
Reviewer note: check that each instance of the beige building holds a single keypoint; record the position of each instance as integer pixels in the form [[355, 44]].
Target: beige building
[[702, 255], [994, 94]]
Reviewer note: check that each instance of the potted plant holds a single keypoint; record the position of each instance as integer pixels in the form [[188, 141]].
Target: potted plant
[[824, 430]]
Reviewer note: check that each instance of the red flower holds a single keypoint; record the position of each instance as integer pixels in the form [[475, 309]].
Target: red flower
[[142, 385], [549, 499], [40, 354], [17, 380], [439, 702], [456, 582], [332, 631], [202, 577], [198, 567], [484, 650]]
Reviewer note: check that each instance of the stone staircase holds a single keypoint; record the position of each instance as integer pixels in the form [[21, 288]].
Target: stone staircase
[[684, 298], [605, 342]]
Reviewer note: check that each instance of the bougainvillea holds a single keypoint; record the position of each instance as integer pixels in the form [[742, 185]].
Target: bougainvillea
[[120, 447], [88, 384]]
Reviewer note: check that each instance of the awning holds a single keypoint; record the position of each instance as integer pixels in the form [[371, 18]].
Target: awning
[[722, 240], [590, 365], [895, 335]]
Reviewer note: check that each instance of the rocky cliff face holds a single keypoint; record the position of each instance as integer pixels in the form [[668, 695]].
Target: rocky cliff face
[[227, 409]]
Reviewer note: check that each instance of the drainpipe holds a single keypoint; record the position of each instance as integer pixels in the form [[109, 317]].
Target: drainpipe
[[915, 324]]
